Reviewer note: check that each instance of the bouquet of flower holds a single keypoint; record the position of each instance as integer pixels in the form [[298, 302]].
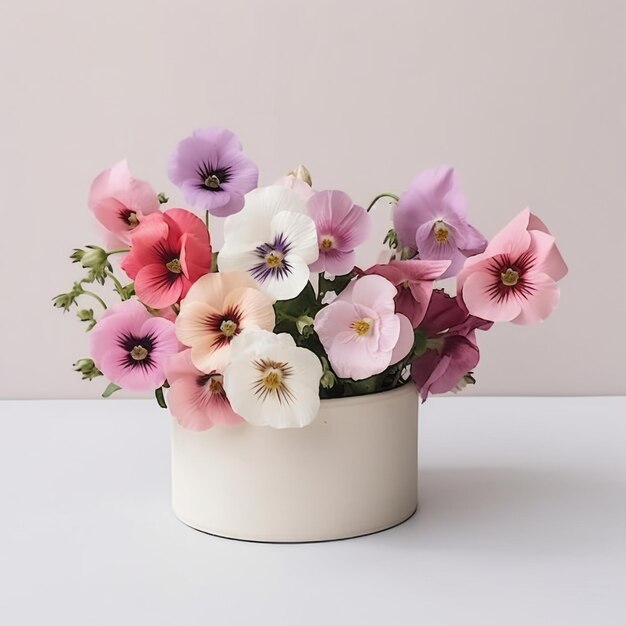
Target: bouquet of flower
[[281, 316]]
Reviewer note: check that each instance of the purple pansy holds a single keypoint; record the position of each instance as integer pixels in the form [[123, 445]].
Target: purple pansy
[[212, 171], [341, 226], [431, 217]]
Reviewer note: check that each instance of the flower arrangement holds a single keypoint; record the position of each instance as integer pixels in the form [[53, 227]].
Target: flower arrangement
[[281, 316]]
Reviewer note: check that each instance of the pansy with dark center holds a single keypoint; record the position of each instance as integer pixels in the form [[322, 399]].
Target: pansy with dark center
[[273, 262], [224, 326], [509, 276], [212, 171], [136, 350]]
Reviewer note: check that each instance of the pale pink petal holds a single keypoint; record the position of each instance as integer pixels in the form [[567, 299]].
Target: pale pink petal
[[374, 292], [132, 378], [513, 239], [257, 311], [389, 331], [549, 259], [334, 262], [540, 302], [405, 341], [191, 326]]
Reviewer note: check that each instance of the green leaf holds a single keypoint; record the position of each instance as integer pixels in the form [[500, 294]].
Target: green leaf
[[305, 303], [420, 344], [158, 394], [110, 390], [337, 284]]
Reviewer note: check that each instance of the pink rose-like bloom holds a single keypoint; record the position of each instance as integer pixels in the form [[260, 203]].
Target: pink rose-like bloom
[[341, 227], [431, 217], [169, 252], [414, 281], [130, 346], [218, 307], [361, 332], [454, 352], [514, 280], [197, 400], [120, 201]]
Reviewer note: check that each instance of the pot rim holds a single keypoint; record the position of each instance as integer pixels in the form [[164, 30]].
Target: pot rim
[[378, 396]]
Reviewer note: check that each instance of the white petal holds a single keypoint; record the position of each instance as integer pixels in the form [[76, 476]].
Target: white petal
[[284, 288], [299, 230]]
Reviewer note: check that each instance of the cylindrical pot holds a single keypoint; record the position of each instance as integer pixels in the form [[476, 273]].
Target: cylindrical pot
[[352, 472]]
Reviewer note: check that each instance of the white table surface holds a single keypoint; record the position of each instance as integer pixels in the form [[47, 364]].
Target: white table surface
[[522, 521]]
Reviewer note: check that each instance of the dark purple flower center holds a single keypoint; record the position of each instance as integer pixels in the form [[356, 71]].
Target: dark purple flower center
[[273, 262], [212, 177], [138, 350], [213, 382], [225, 325], [129, 218], [510, 276]]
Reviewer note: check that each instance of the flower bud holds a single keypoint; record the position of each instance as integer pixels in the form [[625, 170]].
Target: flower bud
[[87, 368], [302, 173], [304, 324], [162, 198], [86, 315], [328, 379]]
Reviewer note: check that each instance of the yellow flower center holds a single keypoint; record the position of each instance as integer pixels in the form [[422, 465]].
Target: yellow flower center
[[509, 278], [212, 182], [441, 232], [228, 328], [132, 220], [274, 259], [174, 266], [273, 380], [327, 243], [362, 327], [138, 353]]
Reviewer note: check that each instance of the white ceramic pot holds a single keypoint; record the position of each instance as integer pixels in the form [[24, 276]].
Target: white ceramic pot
[[352, 472]]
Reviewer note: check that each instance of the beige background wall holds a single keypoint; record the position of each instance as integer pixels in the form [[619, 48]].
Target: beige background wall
[[526, 99]]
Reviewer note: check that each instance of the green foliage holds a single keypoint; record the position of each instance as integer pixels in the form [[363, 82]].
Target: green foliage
[[110, 390], [87, 368]]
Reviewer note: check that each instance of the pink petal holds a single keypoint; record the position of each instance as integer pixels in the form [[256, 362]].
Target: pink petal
[[389, 329], [513, 239], [195, 256], [405, 341], [479, 302], [132, 378], [374, 292], [538, 305], [549, 259], [155, 287], [334, 262]]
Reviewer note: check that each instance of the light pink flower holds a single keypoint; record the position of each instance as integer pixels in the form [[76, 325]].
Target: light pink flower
[[514, 280], [130, 346], [120, 201], [361, 332], [169, 252], [219, 307], [302, 188], [414, 280], [197, 400], [341, 227]]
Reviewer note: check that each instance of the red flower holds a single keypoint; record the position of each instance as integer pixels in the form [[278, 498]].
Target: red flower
[[169, 252]]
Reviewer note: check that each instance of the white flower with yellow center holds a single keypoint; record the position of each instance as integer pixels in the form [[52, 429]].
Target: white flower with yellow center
[[273, 240], [272, 382]]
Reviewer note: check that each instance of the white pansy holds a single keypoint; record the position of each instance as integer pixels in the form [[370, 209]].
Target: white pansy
[[273, 240], [272, 382]]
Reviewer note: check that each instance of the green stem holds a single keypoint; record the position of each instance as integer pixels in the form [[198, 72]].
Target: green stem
[[118, 251], [96, 296], [382, 195], [158, 394], [118, 285], [206, 219]]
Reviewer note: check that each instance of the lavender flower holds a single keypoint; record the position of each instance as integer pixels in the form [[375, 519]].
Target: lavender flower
[[212, 171], [431, 218]]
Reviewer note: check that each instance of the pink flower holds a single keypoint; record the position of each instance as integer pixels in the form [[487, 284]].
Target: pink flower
[[120, 201], [514, 280], [361, 332], [341, 227], [431, 218], [217, 308], [130, 346], [197, 400], [453, 351], [414, 280], [169, 252]]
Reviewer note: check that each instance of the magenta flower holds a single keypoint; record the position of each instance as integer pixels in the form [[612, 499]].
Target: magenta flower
[[120, 201], [431, 219], [197, 400], [212, 171], [453, 351], [169, 252], [130, 346], [360, 330], [341, 226], [414, 281], [514, 280]]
